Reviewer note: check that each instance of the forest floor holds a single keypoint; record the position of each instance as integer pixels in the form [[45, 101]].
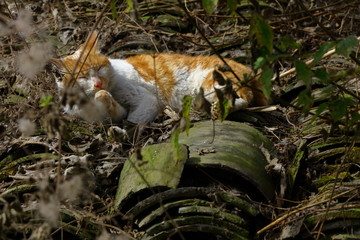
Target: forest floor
[[43, 151]]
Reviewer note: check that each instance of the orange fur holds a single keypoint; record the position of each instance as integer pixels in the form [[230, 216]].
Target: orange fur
[[156, 67], [152, 68]]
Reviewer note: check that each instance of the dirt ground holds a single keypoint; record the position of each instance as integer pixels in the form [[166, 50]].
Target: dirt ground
[[39, 143]]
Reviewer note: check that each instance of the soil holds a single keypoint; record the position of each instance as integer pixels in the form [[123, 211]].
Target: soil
[[52, 149]]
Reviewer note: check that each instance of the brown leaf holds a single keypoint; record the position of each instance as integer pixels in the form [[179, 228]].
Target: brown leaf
[[218, 77], [201, 104]]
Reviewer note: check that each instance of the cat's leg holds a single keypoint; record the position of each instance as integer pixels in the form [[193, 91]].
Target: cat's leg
[[145, 112], [140, 117], [112, 108]]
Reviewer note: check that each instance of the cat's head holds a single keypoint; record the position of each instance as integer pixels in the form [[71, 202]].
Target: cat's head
[[86, 68]]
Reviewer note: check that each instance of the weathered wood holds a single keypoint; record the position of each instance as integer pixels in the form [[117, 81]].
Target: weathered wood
[[234, 146], [158, 165]]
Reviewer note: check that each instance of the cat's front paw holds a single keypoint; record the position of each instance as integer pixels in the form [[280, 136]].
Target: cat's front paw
[[104, 97], [113, 109]]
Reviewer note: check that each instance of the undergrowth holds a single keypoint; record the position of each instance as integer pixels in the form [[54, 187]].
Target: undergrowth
[[59, 174]]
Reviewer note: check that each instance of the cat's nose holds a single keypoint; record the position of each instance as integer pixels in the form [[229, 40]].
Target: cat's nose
[[98, 84]]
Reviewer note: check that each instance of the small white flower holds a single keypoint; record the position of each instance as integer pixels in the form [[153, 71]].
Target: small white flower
[[23, 23], [31, 62], [50, 209], [108, 236], [71, 189], [26, 127], [4, 30]]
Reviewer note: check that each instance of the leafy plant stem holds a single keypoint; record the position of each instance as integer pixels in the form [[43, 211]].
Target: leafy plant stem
[[346, 91], [328, 32], [193, 22], [309, 62]]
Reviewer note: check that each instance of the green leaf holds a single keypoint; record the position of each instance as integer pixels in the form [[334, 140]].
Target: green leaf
[[114, 12], [175, 141], [129, 6], [225, 101], [328, 89], [345, 46], [262, 31], [305, 100], [322, 74], [338, 108], [185, 113], [187, 100], [304, 73], [355, 117], [265, 78], [320, 53], [321, 108], [209, 5], [46, 100], [232, 4], [340, 75], [259, 63], [224, 107], [287, 42]]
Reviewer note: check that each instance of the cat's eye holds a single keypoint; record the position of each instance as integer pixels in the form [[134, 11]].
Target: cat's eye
[[80, 76], [103, 70]]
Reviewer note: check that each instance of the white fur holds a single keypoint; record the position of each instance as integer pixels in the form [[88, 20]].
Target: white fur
[[187, 83], [132, 92], [240, 104]]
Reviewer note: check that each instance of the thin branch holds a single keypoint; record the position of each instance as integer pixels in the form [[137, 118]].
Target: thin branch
[[328, 32], [308, 63], [284, 217], [193, 22]]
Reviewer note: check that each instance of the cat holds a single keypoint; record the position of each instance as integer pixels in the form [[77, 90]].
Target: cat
[[139, 87]]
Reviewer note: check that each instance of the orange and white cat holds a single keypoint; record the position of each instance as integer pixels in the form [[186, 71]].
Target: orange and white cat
[[138, 88]]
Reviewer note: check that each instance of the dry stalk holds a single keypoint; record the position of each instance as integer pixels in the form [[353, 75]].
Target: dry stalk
[[284, 217]]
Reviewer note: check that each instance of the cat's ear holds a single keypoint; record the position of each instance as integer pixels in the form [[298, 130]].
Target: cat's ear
[[91, 44]]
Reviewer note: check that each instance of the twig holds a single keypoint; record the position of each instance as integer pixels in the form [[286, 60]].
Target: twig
[[309, 62], [192, 21], [292, 70], [284, 217], [325, 29]]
